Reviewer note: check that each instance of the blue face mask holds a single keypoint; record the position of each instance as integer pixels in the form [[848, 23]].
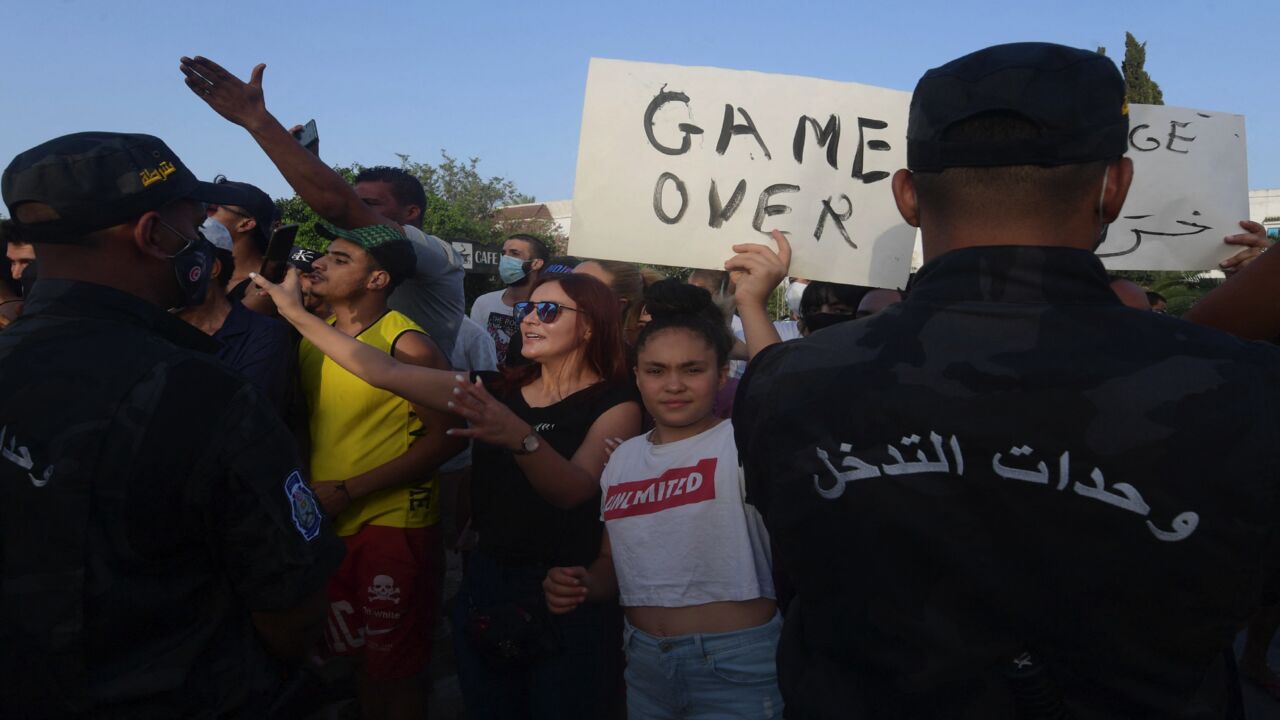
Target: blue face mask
[[512, 270]]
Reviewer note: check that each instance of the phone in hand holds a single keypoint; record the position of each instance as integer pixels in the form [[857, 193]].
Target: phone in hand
[[308, 136], [276, 263]]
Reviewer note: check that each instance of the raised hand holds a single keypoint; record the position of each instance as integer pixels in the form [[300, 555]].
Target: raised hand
[[240, 102], [490, 421], [757, 270]]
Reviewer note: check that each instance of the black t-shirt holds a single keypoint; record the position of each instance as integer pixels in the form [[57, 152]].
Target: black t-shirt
[[1012, 461], [516, 525], [150, 500]]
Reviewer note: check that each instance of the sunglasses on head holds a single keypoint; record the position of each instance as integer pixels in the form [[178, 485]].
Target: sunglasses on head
[[548, 312]]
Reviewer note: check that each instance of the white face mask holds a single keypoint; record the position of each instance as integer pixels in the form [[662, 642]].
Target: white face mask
[[1103, 225], [794, 292]]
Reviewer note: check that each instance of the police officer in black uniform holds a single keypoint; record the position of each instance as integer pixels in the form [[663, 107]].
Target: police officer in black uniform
[[160, 552], [1010, 496]]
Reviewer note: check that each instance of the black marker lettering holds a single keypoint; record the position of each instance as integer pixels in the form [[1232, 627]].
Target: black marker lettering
[[828, 135], [657, 198], [878, 175], [720, 214], [1173, 135], [728, 130], [764, 209], [838, 218], [1134, 143], [662, 98]]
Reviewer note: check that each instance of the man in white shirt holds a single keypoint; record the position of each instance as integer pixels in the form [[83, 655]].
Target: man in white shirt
[[523, 257]]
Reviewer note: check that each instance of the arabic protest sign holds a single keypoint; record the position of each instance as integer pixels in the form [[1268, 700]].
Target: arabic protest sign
[[678, 164], [1190, 189]]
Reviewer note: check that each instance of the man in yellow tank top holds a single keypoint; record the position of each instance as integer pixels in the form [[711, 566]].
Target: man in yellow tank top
[[373, 468]]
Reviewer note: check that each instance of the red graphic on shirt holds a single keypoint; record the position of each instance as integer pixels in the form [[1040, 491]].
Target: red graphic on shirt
[[675, 487]]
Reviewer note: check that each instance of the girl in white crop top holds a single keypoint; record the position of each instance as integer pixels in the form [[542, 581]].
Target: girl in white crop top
[[688, 557]]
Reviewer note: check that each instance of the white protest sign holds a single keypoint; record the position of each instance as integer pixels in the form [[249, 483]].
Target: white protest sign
[[678, 164], [1190, 190]]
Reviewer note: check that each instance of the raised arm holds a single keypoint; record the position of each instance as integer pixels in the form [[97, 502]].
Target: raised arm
[[244, 104], [563, 482], [1245, 305], [419, 385], [757, 271], [428, 452]]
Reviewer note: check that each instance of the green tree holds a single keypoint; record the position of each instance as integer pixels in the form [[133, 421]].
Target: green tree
[[460, 207], [1138, 84]]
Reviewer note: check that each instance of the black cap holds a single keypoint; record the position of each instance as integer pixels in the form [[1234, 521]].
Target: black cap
[[302, 258], [1075, 97], [94, 180], [255, 201]]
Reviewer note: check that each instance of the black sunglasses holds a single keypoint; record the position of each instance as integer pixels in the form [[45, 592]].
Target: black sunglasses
[[548, 312], [231, 210]]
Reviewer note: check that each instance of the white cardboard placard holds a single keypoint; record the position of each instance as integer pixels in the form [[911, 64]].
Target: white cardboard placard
[[678, 164], [1190, 190]]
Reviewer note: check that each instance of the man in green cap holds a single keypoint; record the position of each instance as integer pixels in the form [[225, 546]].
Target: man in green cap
[[373, 465]]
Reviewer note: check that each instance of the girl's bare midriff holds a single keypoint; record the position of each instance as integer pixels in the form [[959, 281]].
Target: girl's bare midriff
[[716, 617]]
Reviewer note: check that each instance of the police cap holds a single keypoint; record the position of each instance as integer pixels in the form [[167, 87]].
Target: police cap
[[1075, 98], [93, 180]]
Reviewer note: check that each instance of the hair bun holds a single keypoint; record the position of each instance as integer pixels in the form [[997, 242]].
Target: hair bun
[[672, 297]]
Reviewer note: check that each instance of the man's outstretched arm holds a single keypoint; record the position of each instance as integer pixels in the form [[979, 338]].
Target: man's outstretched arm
[[243, 104]]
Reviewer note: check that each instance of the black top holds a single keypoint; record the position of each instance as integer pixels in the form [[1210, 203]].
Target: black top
[[1009, 461], [149, 500], [516, 525], [263, 349]]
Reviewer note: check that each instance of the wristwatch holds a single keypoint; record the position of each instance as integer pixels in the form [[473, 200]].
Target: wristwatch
[[529, 444]]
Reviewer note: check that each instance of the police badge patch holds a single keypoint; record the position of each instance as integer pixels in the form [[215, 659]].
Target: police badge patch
[[302, 502]]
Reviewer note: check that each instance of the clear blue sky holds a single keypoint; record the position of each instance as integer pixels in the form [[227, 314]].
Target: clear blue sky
[[503, 81]]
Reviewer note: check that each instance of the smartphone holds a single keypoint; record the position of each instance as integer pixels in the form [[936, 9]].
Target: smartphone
[[276, 263], [308, 135]]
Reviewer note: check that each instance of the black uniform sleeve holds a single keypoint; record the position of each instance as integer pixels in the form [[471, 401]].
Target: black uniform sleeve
[[275, 541], [750, 413]]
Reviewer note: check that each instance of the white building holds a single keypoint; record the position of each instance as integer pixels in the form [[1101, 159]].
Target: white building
[[559, 212], [1264, 207]]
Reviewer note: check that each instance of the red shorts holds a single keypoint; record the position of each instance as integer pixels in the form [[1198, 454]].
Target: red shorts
[[383, 600]]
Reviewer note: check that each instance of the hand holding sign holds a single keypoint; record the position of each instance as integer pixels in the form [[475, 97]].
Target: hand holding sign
[[757, 270], [1255, 242]]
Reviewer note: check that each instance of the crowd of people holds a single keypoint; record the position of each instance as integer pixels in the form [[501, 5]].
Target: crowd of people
[[1015, 488]]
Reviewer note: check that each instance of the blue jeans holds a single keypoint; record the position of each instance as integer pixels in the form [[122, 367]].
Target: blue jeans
[[575, 681], [721, 675]]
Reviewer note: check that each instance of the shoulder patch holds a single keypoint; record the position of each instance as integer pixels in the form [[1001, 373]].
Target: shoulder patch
[[303, 505]]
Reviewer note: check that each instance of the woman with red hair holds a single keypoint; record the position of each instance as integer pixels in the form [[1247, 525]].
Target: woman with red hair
[[540, 449]]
